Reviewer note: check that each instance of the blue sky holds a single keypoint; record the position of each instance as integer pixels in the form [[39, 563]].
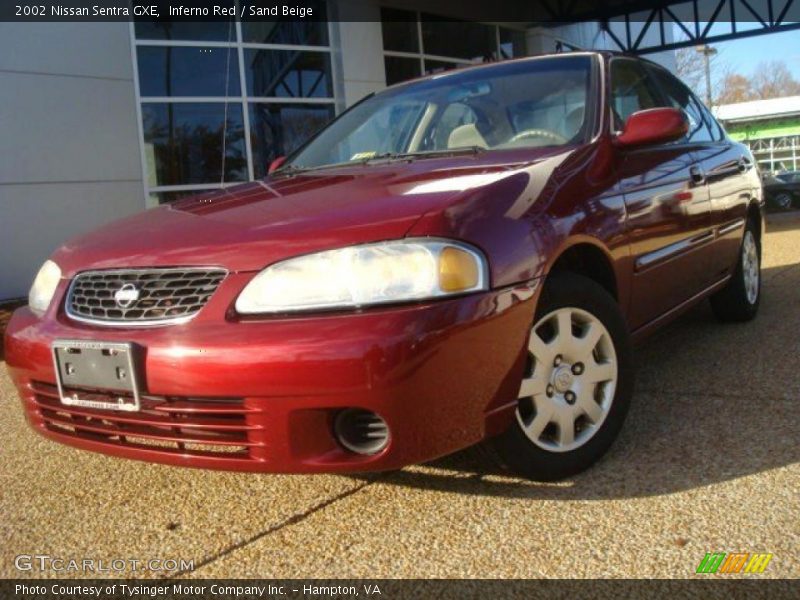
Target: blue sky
[[744, 55]]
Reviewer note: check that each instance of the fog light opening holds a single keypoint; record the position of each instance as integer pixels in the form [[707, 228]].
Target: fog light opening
[[361, 431]]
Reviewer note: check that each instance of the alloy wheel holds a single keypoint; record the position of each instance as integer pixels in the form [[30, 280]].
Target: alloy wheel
[[750, 267], [570, 380]]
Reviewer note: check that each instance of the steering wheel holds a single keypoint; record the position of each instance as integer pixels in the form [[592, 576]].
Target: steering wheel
[[540, 133]]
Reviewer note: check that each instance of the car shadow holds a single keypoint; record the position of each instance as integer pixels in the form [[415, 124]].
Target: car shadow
[[706, 411]]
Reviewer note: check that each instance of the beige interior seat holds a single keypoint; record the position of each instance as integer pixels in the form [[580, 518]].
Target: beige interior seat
[[465, 136], [574, 121]]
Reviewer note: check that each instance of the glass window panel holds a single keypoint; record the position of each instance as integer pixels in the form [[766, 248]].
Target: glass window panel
[[438, 66], [303, 32], [180, 71], [183, 142], [632, 90], [399, 69], [399, 30], [278, 129], [459, 39], [210, 31], [288, 73], [512, 43], [679, 96]]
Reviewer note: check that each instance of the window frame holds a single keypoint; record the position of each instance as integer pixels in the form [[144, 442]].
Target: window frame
[[243, 99], [610, 87], [422, 56], [718, 133]]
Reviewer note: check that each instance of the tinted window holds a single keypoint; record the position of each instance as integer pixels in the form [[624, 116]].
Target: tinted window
[[211, 31], [182, 71], [678, 96], [400, 68], [459, 39], [288, 73], [301, 32], [439, 66], [399, 29], [512, 43], [183, 142], [631, 90]]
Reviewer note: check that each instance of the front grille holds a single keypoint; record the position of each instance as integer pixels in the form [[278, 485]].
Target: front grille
[[206, 427], [141, 296]]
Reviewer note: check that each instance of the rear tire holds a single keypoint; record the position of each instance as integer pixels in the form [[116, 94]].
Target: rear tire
[[577, 386], [782, 201], [739, 300]]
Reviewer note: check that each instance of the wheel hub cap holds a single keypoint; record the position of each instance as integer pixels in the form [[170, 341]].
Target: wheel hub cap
[[562, 379], [750, 267], [570, 381]]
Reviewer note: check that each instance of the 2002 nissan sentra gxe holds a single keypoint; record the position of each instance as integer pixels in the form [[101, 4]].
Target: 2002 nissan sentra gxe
[[463, 257]]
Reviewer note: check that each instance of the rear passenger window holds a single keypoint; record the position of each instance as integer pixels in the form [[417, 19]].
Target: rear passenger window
[[632, 89], [679, 96]]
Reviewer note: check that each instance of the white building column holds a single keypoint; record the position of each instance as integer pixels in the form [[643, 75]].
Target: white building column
[[358, 50]]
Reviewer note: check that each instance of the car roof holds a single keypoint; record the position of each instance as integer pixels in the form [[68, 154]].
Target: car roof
[[605, 54]]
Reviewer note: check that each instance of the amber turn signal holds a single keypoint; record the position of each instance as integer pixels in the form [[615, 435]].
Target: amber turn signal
[[458, 270]]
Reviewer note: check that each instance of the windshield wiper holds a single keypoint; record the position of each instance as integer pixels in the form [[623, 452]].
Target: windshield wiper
[[425, 153], [294, 169]]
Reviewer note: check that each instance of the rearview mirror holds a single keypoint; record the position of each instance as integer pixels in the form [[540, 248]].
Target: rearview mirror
[[653, 126], [276, 164]]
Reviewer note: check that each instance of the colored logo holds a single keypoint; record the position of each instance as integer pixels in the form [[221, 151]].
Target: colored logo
[[734, 562]]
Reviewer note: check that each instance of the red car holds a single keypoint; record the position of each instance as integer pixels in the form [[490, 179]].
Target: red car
[[467, 256]]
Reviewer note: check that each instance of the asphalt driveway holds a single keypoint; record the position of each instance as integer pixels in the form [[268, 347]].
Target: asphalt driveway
[[709, 460]]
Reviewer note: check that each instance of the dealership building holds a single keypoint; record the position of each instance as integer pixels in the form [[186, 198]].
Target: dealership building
[[771, 128], [104, 119]]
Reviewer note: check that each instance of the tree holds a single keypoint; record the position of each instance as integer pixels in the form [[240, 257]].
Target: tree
[[773, 79], [691, 68], [734, 88]]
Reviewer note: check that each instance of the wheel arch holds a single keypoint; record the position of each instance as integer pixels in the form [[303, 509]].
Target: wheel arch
[[755, 213], [588, 257]]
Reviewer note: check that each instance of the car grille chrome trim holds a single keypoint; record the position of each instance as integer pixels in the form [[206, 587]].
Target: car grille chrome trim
[[164, 296], [204, 427]]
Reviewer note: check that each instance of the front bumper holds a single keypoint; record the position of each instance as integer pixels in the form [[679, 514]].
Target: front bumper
[[443, 375]]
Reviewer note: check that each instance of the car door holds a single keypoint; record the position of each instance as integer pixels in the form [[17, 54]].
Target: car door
[[725, 165], [667, 203]]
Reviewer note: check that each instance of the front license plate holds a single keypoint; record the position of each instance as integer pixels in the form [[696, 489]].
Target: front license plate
[[96, 374]]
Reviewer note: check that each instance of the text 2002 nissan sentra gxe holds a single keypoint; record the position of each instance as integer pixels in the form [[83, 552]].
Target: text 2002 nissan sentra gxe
[[463, 257]]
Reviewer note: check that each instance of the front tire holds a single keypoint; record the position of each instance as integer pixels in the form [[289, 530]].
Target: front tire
[[577, 385], [739, 300]]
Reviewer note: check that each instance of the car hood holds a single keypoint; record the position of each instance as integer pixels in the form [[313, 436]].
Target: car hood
[[247, 227]]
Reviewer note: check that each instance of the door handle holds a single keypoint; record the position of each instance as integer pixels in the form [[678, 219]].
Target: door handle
[[697, 175]]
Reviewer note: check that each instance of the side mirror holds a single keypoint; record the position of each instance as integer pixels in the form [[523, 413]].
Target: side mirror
[[653, 126], [275, 164]]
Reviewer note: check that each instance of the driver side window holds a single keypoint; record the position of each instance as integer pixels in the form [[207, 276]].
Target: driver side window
[[632, 90]]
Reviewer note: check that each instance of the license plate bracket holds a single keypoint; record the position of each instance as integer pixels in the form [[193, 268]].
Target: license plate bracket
[[83, 366]]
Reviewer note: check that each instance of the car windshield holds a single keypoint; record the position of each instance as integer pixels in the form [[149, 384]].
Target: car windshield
[[530, 103]]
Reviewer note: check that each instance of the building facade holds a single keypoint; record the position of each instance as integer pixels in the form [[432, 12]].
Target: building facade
[[100, 120], [771, 128]]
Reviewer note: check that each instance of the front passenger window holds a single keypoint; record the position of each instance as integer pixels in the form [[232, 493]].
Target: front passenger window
[[632, 90], [679, 96]]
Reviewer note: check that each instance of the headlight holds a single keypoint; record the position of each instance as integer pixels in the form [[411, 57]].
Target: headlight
[[400, 271], [43, 288]]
